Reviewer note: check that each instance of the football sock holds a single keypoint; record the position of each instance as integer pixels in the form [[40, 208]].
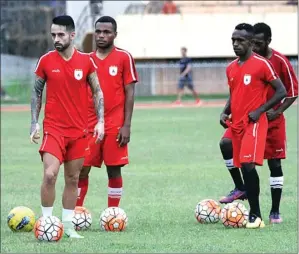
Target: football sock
[[276, 184], [114, 191], [47, 211], [235, 174], [67, 215], [82, 191], [252, 187]]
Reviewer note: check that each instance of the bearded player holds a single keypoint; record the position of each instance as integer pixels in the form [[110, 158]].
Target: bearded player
[[276, 137], [117, 74], [68, 74], [250, 77]]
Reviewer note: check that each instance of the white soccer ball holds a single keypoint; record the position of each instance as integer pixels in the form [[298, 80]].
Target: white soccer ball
[[113, 219], [49, 229], [82, 218], [207, 211]]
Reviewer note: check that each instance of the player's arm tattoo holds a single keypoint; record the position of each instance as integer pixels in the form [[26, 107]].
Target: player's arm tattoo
[[129, 103], [36, 98], [97, 95], [280, 93], [227, 109]]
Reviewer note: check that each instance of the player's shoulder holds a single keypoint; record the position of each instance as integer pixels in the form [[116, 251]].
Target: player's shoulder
[[232, 63], [258, 60], [83, 54], [122, 53], [279, 57], [47, 55]]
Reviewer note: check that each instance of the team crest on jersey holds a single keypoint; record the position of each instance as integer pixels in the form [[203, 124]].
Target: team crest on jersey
[[78, 74], [113, 70], [247, 79]]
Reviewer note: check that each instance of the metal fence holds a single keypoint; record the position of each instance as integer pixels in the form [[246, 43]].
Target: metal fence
[[154, 79]]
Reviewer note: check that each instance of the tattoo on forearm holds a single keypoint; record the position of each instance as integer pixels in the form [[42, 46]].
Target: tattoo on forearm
[[97, 95], [36, 98]]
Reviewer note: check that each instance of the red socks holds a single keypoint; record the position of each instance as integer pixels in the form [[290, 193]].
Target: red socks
[[82, 190], [115, 191]]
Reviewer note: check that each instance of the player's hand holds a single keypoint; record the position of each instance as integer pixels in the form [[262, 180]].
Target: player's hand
[[34, 133], [254, 116], [223, 119], [123, 136], [272, 114], [99, 132]]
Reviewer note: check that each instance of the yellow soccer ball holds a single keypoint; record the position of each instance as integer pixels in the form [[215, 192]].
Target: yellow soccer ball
[[21, 219]]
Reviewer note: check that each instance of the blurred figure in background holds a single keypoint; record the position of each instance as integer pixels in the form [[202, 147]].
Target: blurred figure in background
[[186, 77], [5, 96], [169, 7]]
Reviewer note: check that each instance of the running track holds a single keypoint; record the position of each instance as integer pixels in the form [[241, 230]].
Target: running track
[[149, 105]]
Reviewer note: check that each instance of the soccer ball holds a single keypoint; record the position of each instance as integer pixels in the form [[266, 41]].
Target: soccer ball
[[207, 211], [113, 219], [82, 218], [21, 219], [234, 215], [48, 229]]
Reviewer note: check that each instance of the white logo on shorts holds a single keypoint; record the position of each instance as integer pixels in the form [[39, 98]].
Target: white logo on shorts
[[279, 150], [247, 156]]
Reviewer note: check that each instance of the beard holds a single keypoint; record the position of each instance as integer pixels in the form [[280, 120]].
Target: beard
[[105, 46], [60, 47]]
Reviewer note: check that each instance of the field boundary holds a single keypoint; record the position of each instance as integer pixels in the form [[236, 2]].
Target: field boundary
[[138, 105]]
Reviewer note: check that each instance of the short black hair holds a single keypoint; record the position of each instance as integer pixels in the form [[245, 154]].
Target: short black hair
[[107, 19], [245, 26], [66, 21], [263, 28]]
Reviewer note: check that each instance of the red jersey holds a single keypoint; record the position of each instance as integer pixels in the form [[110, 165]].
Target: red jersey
[[286, 73], [66, 92], [115, 72], [248, 85]]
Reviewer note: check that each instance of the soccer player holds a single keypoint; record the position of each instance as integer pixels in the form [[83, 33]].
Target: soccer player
[[250, 76], [186, 77], [117, 74], [276, 136], [68, 74]]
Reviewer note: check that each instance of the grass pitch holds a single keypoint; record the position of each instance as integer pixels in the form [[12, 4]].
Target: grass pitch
[[175, 163]]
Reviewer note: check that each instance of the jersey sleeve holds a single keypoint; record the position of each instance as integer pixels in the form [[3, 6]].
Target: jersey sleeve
[[129, 73], [40, 68], [269, 73], [92, 66], [289, 78], [189, 61]]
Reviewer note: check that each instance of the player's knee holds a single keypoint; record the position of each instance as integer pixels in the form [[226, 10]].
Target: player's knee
[[71, 178], [275, 167], [84, 172], [114, 171], [226, 148], [50, 177], [247, 167]]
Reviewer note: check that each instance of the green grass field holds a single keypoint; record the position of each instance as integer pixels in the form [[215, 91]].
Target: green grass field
[[175, 163]]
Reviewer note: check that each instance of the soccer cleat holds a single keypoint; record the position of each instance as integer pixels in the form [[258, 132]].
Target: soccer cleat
[[198, 102], [254, 222], [69, 230], [275, 218], [233, 195]]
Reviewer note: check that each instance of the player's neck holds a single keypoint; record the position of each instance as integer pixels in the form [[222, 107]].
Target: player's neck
[[102, 53], [68, 53], [244, 58], [269, 53]]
